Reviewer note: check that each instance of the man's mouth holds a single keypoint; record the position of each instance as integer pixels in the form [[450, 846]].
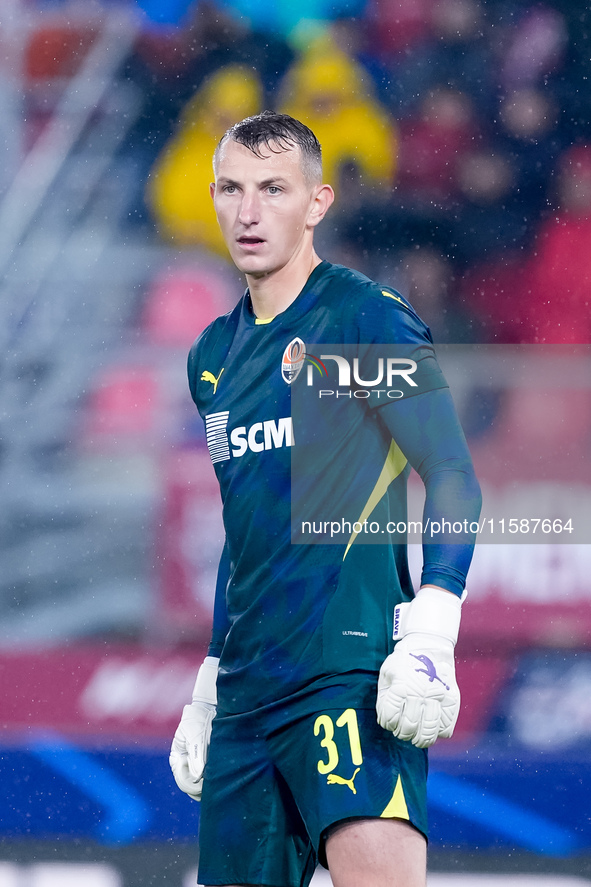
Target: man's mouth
[[250, 240]]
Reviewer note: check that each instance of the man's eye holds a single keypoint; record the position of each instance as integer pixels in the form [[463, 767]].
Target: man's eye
[[229, 189], [273, 189]]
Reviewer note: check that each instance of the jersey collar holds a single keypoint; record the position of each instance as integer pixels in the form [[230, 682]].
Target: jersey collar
[[304, 301]]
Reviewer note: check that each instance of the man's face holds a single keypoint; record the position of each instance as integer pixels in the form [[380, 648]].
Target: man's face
[[265, 207]]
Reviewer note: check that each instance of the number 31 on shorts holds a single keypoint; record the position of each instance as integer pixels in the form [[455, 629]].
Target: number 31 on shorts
[[324, 726]]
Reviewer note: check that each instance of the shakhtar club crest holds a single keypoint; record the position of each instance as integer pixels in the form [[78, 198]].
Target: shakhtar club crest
[[293, 360]]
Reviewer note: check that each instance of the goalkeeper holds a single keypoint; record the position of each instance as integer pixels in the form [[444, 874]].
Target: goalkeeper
[[327, 677]]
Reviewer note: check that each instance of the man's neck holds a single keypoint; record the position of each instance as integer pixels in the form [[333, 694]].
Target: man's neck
[[273, 293]]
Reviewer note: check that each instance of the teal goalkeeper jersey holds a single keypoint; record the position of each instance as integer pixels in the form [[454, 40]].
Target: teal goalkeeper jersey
[[301, 607]]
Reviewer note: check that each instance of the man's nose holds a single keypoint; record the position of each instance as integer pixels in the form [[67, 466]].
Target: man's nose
[[249, 209]]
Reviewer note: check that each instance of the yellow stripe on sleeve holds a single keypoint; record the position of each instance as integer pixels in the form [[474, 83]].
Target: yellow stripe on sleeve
[[393, 466], [397, 298]]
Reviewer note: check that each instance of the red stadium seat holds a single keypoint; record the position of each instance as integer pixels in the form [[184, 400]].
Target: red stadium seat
[[181, 303], [124, 402], [54, 51], [57, 50]]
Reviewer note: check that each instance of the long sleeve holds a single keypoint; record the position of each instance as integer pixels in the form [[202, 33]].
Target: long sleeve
[[428, 431], [221, 622]]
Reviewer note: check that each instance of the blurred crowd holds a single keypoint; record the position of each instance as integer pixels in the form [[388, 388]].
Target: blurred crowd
[[457, 135]]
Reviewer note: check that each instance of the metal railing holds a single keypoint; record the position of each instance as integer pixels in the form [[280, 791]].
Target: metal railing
[[67, 290]]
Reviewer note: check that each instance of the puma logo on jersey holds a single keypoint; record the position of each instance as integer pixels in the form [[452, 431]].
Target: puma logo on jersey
[[334, 779], [261, 436], [206, 376]]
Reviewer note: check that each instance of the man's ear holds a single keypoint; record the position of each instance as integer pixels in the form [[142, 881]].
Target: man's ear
[[211, 189], [322, 202]]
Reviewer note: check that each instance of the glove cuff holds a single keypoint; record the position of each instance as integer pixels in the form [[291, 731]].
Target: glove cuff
[[205, 689], [432, 612]]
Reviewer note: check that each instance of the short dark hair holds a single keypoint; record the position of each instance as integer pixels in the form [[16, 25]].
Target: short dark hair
[[277, 132]]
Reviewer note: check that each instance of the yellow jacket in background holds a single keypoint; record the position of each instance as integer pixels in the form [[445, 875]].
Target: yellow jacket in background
[[329, 91], [178, 186]]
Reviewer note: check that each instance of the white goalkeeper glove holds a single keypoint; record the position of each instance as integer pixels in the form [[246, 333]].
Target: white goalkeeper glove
[[418, 696], [190, 745]]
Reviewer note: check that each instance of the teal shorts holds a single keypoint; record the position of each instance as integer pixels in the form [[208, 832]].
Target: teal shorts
[[274, 785]]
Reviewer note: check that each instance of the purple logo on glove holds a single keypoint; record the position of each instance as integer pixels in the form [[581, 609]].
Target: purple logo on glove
[[429, 669]]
